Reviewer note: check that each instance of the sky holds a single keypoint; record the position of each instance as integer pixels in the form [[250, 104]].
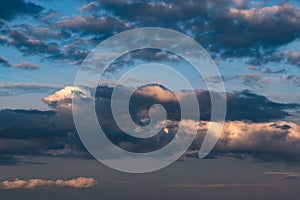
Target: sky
[[255, 45]]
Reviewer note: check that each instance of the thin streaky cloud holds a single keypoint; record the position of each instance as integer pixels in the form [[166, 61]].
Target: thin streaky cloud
[[81, 182]]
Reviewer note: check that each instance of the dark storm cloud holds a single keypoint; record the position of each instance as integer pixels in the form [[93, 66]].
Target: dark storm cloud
[[243, 105], [39, 133], [246, 105], [12, 8], [52, 133]]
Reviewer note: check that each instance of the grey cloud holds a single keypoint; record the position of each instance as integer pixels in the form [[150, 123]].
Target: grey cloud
[[4, 62], [39, 133], [252, 80], [227, 29], [13, 89], [267, 70], [52, 133], [26, 65], [284, 57], [29, 45], [242, 105], [12, 8], [22, 65], [94, 25], [294, 79]]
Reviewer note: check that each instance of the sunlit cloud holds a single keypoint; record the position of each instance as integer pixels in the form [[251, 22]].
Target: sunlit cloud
[[80, 182]]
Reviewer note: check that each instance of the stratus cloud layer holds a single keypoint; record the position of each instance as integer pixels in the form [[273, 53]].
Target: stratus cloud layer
[[80, 182]]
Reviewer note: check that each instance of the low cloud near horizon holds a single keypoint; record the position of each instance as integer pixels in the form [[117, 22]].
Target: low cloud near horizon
[[81, 182]]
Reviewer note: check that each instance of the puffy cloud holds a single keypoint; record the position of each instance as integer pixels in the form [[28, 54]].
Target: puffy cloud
[[229, 28], [63, 97], [81, 182], [265, 141], [157, 92]]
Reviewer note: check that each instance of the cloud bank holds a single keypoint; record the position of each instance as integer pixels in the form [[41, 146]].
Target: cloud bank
[[80, 182]]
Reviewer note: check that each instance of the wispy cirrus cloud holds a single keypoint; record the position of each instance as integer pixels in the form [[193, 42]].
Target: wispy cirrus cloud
[[13, 89]]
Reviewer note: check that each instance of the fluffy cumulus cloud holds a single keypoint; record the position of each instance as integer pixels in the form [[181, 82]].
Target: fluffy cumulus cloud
[[266, 141], [64, 96], [81, 182]]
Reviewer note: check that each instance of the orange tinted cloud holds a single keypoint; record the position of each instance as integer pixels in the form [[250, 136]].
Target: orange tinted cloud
[[80, 182]]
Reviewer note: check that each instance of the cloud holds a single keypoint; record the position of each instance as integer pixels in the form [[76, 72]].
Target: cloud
[[93, 25], [22, 65], [13, 89], [267, 70], [252, 80], [256, 29], [284, 57], [26, 65], [4, 62], [228, 29], [64, 96], [89, 7], [266, 141], [13, 8], [250, 117], [157, 92], [242, 105], [284, 175], [29, 46], [220, 185], [80, 182]]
